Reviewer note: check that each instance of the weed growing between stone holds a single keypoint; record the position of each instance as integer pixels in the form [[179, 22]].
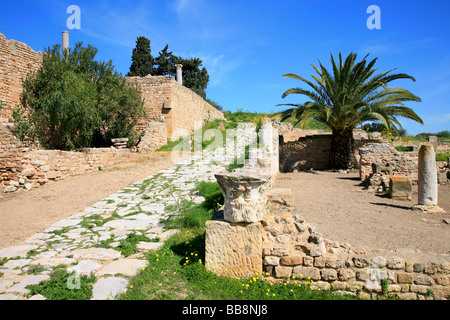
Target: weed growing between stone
[[56, 287]]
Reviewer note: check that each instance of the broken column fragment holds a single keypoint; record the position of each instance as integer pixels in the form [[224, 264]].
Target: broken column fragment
[[233, 241], [427, 184], [244, 196]]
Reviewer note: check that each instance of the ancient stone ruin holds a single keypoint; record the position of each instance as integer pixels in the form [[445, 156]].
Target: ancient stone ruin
[[171, 111], [280, 243]]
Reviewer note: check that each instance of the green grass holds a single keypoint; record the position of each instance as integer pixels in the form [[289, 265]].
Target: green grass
[[128, 246], [403, 149], [442, 156], [57, 288], [177, 272]]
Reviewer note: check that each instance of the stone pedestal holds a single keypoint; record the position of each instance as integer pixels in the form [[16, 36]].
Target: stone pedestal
[[244, 196], [400, 188], [427, 184], [233, 249]]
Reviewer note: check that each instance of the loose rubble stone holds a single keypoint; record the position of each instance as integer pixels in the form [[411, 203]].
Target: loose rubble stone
[[126, 267], [109, 288], [85, 267], [16, 251], [21, 286]]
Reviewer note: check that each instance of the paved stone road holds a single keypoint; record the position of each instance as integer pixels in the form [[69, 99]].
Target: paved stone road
[[139, 208]]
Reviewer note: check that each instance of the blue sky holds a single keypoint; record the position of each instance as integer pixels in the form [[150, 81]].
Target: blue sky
[[247, 46]]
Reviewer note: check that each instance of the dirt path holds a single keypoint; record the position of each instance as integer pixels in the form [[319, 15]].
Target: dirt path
[[26, 213], [342, 211]]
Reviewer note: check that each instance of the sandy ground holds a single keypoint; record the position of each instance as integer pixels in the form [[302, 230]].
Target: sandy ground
[[343, 211], [25, 213]]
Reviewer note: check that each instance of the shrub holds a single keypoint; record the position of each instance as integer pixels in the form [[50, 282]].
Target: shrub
[[73, 101], [442, 156]]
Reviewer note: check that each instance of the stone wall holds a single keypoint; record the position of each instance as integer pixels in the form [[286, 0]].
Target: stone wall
[[305, 153], [165, 99], [181, 109], [16, 60], [22, 167], [289, 133], [404, 164], [153, 136], [313, 151], [293, 249]]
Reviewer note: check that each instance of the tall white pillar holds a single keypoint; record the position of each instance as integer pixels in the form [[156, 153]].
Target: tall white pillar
[[427, 184], [179, 73], [65, 41]]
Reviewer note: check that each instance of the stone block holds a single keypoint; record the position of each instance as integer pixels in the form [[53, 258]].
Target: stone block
[[405, 278], [283, 272], [283, 196], [400, 188], [292, 260], [233, 249], [306, 272]]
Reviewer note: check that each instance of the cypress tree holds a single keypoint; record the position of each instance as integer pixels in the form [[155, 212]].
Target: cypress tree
[[142, 60]]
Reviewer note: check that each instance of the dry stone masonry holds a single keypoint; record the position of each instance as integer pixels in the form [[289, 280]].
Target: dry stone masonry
[[16, 61], [25, 168]]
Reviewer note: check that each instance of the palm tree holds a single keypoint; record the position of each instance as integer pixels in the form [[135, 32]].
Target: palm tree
[[348, 97]]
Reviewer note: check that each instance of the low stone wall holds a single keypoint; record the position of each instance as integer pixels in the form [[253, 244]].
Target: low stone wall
[[293, 249], [25, 168], [313, 151], [403, 164], [305, 153]]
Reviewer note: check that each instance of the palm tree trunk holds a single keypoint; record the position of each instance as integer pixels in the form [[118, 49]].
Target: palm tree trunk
[[342, 149]]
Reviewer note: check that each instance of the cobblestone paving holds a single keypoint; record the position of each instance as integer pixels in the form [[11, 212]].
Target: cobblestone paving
[[88, 242]]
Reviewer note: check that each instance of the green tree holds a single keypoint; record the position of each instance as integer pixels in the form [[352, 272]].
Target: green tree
[[195, 77], [75, 102], [142, 60], [347, 97], [215, 105]]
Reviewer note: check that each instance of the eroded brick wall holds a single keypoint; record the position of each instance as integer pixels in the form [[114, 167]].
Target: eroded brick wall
[[181, 109], [16, 60], [25, 168]]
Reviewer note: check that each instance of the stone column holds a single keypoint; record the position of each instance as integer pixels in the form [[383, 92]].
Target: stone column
[[65, 41], [179, 73], [233, 241], [427, 184], [244, 196], [269, 138]]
